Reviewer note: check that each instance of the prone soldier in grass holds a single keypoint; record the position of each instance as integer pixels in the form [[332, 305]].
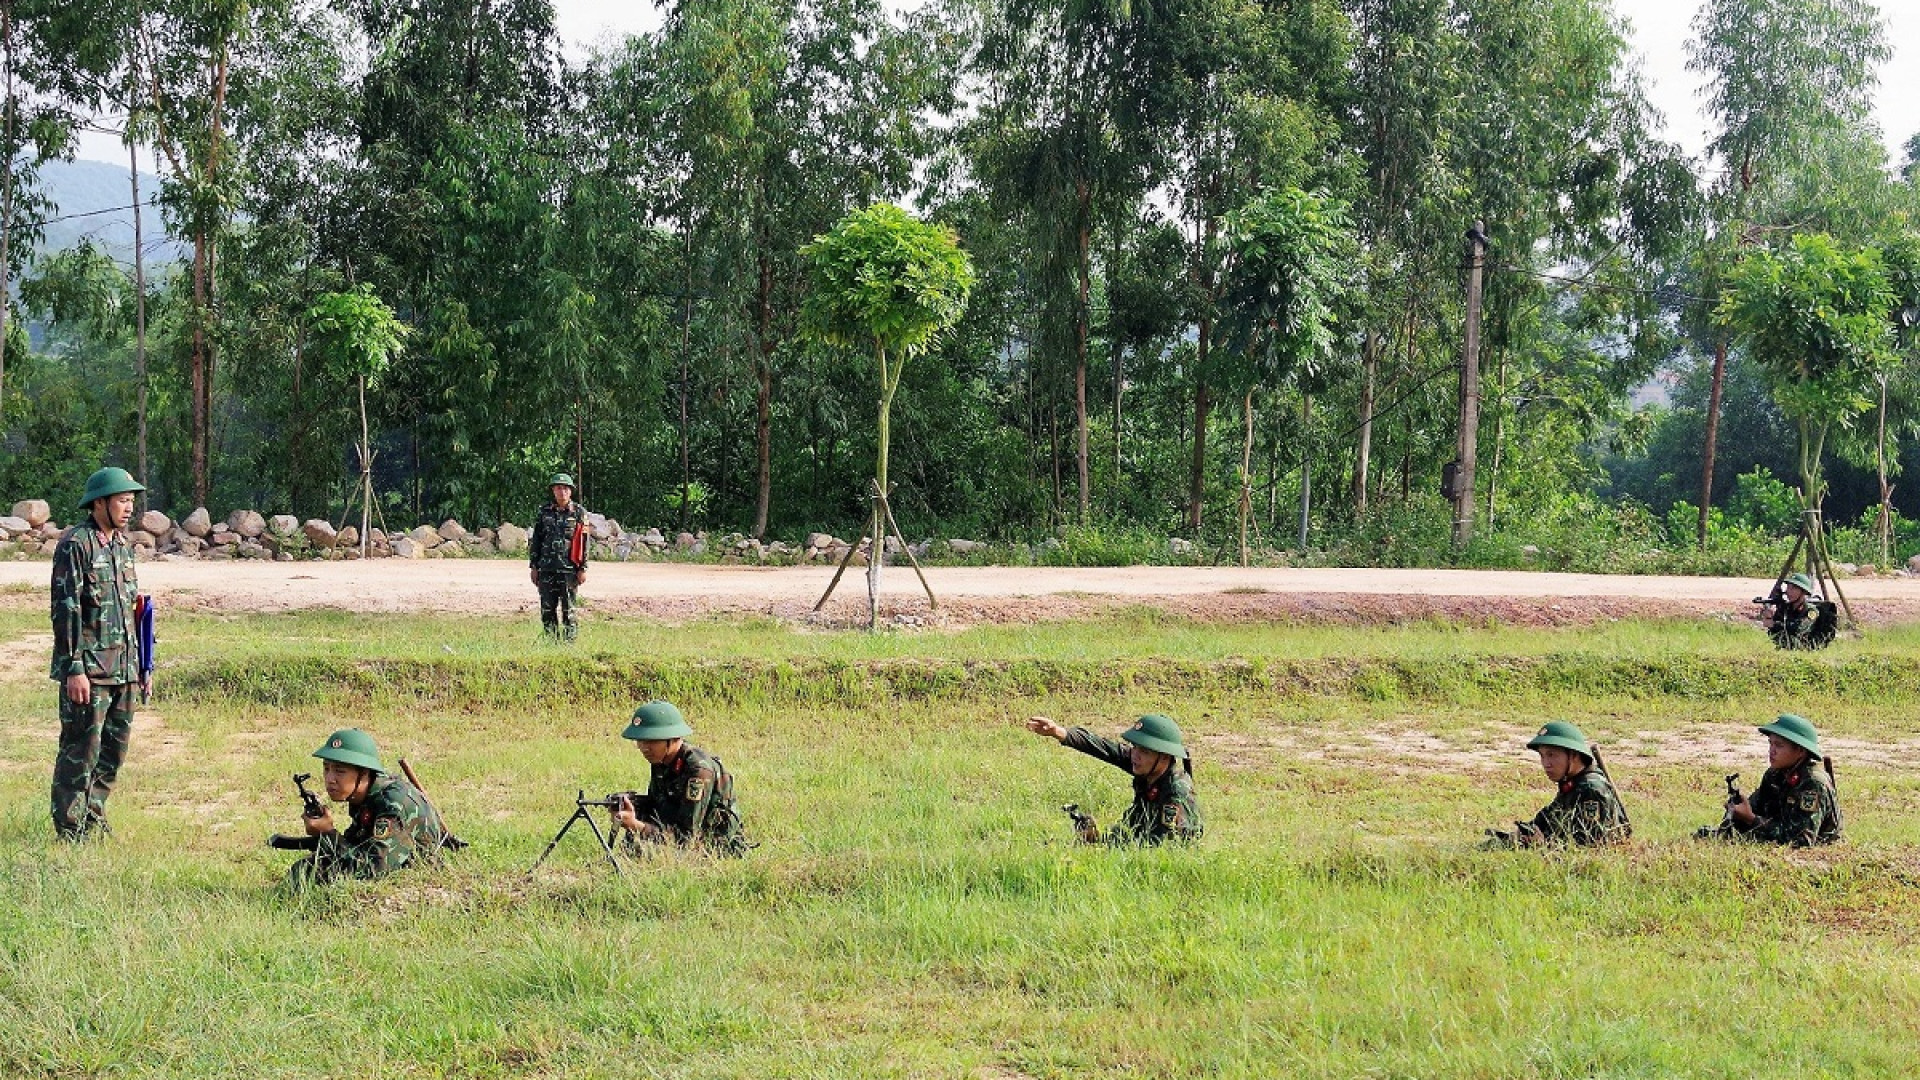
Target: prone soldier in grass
[[1797, 617], [1797, 803], [1152, 751], [689, 796], [95, 657], [557, 558], [393, 825], [1585, 810]]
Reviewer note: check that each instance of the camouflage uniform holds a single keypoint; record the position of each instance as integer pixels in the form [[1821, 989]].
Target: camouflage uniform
[[549, 553], [94, 591], [1586, 811], [393, 826], [1796, 806], [1804, 628], [1163, 809], [690, 799]]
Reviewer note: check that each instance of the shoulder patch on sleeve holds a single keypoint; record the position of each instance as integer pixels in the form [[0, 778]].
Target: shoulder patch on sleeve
[[383, 829], [1810, 800], [1170, 814], [697, 788], [1590, 809]]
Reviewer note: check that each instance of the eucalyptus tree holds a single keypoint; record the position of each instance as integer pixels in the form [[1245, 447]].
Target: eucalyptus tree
[[1289, 277], [1783, 77]]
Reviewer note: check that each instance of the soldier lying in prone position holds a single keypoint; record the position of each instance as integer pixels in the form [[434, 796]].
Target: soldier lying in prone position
[[393, 825], [1164, 806], [689, 796], [1584, 811], [1797, 802]]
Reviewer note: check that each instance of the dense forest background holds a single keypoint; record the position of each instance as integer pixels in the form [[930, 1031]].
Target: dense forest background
[[600, 263]]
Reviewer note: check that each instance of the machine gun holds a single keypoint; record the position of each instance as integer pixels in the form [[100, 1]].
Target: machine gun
[[636, 800]]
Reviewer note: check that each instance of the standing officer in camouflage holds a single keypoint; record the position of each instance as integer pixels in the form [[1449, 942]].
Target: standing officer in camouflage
[[1584, 811], [95, 653], [393, 824], [689, 798], [1796, 803], [1164, 806], [558, 568]]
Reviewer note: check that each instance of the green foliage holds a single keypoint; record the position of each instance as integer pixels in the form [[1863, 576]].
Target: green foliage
[[358, 332], [1290, 278], [1815, 318], [885, 281]]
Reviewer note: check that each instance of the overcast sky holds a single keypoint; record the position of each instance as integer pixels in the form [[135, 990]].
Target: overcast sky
[[1660, 29]]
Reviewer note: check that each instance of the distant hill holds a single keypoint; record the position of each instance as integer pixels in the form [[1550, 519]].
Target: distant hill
[[103, 193]]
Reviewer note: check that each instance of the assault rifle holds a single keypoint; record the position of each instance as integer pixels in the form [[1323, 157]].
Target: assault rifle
[[1083, 824], [636, 800], [310, 807], [1725, 828]]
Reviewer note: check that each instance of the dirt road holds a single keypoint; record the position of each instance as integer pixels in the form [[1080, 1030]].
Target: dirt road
[[968, 594]]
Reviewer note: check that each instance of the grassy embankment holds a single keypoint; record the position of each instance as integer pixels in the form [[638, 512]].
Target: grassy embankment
[[915, 910]]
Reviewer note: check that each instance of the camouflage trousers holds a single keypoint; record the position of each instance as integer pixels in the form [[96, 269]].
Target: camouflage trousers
[[93, 743], [557, 608]]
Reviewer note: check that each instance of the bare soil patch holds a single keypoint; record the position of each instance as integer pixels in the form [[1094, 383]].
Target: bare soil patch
[[678, 592]]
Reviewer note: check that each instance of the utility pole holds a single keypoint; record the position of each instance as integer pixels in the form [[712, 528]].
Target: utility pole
[[1461, 487]]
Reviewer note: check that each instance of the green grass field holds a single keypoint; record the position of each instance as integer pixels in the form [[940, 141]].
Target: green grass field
[[915, 909]]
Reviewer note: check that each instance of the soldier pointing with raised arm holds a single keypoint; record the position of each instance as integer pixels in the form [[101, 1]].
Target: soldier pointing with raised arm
[[95, 658], [1164, 806]]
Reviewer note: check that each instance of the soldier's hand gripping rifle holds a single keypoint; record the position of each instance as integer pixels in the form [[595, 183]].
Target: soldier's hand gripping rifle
[[619, 800], [1083, 824], [1734, 798], [310, 807]]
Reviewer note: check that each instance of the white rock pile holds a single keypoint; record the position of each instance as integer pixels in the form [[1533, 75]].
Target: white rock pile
[[247, 534]]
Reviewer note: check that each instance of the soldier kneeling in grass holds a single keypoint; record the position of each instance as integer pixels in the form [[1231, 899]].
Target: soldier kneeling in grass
[[1796, 803], [1585, 811], [689, 796], [393, 823], [1164, 807]]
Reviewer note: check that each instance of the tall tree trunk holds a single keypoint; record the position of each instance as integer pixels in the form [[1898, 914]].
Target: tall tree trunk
[[763, 396], [140, 329], [1246, 474], [1306, 467], [686, 351], [1081, 317], [1886, 493], [1118, 460], [1713, 435], [1369, 367], [6, 197], [200, 368]]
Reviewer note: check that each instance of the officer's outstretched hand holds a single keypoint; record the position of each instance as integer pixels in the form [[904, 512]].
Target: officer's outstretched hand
[[320, 825], [1040, 725]]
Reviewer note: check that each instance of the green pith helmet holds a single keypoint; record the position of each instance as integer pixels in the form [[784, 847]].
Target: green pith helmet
[[109, 481], [1802, 581], [1563, 735], [351, 746], [561, 479], [1156, 732], [657, 720], [1797, 730]]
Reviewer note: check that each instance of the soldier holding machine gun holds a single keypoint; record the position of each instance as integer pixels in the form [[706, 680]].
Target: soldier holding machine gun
[[1796, 617], [689, 796]]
